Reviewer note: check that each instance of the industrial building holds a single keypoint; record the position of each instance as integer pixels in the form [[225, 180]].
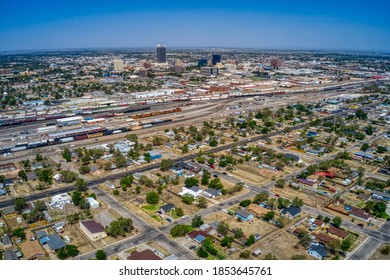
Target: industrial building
[[70, 121]]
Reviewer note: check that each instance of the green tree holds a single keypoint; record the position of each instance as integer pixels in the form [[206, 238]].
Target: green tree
[[336, 221], [298, 202], [245, 254], [202, 253], [280, 183], [238, 233], [251, 240], [192, 181], [305, 238], [180, 230], [166, 164], [152, 198], [261, 197], [68, 176], [187, 198], [346, 244], [216, 184], [364, 147], [20, 204], [223, 228], [119, 227], [84, 169], [197, 221], [81, 185], [67, 155], [127, 181], [100, 255], [67, 251], [269, 216], [19, 232], [46, 175], [245, 203], [226, 241], [179, 212], [202, 203], [22, 174]]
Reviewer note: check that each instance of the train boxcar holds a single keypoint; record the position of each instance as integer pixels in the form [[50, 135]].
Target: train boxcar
[[67, 139], [94, 135]]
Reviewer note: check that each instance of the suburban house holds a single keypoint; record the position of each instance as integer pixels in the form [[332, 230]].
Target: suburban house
[[92, 230], [207, 229], [322, 237], [293, 157], [143, 255], [380, 195], [337, 232], [197, 235], [194, 191], [211, 193], [32, 250], [154, 155], [291, 212], [6, 241], [167, 208], [244, 215], [54, 241], [318, 223], [317, 251], [9, 212], [257, 210], [307, 183], [10, 255], [93, 204], [359, 214], [325, 174], [59, 200]]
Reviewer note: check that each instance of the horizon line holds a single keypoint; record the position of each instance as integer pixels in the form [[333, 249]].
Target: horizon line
[[148, 48]]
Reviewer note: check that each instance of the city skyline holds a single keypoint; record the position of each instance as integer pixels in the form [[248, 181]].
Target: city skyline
[[300, 25]]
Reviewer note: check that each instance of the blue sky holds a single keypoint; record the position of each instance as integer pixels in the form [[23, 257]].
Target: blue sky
[[294, 24]]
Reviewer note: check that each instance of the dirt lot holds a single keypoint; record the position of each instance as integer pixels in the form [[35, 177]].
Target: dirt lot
[[255, 226], [309, 198], [280, 244], [250, 174], [378, 255], [78, 239], [352, 200]]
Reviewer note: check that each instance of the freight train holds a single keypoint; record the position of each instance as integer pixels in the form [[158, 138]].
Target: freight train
[[106, 113], [77, 134]]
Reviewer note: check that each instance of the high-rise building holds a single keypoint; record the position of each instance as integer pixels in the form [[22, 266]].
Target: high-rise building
[[202, 62], [118, 64], [161, 54], [276, 63], [216, 59]]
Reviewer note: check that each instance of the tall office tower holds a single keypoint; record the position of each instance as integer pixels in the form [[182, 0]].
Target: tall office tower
[[202, 62], [216, 59], [118, 64], [276, 63], [161, 54]]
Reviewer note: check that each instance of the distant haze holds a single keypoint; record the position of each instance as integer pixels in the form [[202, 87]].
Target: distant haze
[[298, 24]]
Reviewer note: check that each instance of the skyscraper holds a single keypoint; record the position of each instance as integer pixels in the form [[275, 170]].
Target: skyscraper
[[118, 64], [161, 54], [216, 59]]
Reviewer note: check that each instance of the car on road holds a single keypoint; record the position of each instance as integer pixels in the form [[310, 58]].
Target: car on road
[[361, 225], [184, 217], [192, 247], [215, 176], [224, 173], [168, 219]]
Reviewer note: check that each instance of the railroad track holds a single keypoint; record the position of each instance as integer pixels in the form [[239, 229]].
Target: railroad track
[[141, 169]]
